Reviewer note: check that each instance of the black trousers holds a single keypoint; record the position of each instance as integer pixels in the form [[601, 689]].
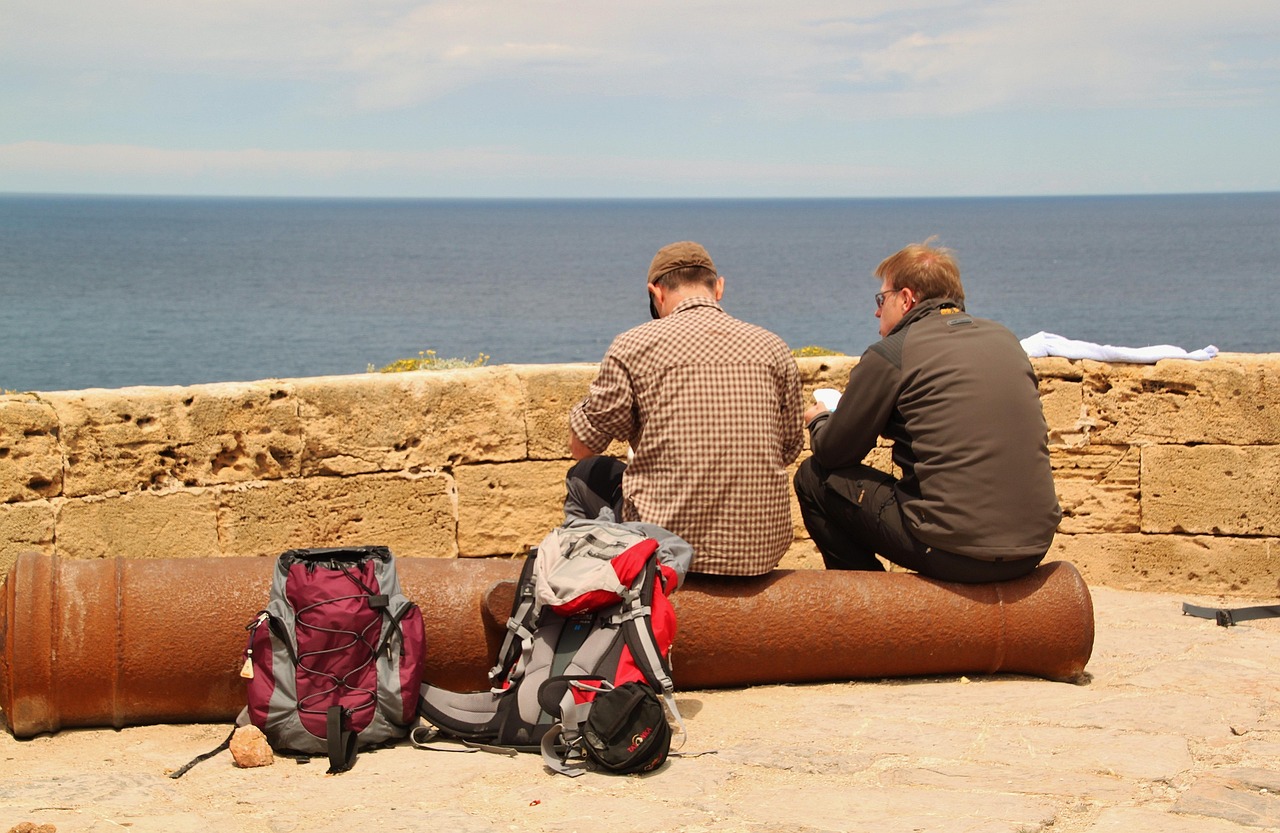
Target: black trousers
[[592, 484], [851, 533]]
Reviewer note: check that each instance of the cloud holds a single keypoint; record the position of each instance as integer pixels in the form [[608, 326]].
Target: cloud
[[878, 60], [1085, 54], [564, 97]]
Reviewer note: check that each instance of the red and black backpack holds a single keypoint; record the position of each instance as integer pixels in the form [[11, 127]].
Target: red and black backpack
[[583, 673]]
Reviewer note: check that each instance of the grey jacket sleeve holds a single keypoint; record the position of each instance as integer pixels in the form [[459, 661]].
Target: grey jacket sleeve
[[845, 437], [673, 551]]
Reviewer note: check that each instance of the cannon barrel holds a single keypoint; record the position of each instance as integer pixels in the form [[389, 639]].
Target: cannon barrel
[[119, 642]]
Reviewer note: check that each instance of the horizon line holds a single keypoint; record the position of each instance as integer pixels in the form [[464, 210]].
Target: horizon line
[[712, 198]]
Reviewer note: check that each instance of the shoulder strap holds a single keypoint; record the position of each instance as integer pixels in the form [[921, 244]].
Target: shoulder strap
[[637, 630], [519, 635]]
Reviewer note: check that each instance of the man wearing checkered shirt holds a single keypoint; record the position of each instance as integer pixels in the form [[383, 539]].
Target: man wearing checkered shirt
[[711, 408]]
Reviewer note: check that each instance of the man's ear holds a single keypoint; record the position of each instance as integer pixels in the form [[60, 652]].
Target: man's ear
[[653, 300], [719, 287]]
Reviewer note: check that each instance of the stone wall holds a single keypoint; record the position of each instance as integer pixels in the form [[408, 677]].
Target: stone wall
[[1166, 473]]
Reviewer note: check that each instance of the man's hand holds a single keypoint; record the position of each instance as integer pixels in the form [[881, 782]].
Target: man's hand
[[813, 411]]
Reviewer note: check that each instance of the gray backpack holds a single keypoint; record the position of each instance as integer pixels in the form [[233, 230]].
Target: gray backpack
[[589, 633]]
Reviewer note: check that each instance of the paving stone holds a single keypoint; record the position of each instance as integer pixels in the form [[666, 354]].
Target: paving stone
[[1242, 796], [1146, 820], [1178, 731]]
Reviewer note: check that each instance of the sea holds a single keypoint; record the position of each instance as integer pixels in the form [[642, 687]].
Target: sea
[[113, 291]]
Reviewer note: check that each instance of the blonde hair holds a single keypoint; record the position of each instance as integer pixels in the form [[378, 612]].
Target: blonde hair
[[928, 271]]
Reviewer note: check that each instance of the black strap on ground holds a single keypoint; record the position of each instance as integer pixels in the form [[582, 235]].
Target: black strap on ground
[[178, 773], [342, 743], [1226, 617]]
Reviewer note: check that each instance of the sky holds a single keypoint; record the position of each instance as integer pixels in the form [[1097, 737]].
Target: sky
[[581, 98]]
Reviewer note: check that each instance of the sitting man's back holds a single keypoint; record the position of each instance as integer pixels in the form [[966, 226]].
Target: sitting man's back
[[711, 408], [958, 398]]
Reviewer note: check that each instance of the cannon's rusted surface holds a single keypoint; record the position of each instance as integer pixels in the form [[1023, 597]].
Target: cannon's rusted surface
[[123, 642]]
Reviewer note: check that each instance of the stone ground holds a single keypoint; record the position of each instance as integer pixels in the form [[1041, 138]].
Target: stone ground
[[1177, 729]]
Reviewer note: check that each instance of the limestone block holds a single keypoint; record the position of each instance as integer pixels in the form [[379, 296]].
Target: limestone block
[[411, 421], [1192, 564], [25, 527], [157, 438], [1056, 367], [1216, 489], [1233, 399], [550, 391], [139, 525], [413, 515], [30, 457], [504, 509], [1063, 405], [824, 372], [1098, 488]]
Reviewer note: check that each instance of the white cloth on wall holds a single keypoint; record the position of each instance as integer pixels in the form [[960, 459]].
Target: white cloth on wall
[[1047, 344]]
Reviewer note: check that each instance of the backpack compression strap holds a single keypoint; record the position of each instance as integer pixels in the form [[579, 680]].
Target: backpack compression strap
[[342, 743]]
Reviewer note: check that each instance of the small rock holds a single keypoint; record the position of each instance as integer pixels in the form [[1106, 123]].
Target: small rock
[[249, 747], [32, 827]]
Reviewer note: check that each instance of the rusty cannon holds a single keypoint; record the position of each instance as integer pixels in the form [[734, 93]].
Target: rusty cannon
[[121, 642]]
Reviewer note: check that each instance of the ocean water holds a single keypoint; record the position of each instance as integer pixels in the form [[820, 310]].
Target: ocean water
[[117, 291]]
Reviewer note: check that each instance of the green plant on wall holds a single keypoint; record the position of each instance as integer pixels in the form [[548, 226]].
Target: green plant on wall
[[428, 360]]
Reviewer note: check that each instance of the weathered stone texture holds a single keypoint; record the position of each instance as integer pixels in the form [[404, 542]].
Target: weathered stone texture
[[25, 527], [1244, 796], [30, 456], [1167, 473], [249, 748], [1056, 367], [141, 525], [504, 509], [801, 555], [413, 515], [411, 421], [1173, 563], [549, 392], [1231, 400], [1097, 488], [1215, 489], [1062, 403], [824, 372], [158, 438]]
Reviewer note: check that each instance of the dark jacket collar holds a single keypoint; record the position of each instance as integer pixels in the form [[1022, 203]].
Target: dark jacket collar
[[923, 309]]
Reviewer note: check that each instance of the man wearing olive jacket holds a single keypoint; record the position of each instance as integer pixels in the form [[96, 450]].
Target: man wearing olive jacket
[[959, 400]]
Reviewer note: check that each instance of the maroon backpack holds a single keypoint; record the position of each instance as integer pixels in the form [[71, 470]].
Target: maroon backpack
[[336, 659]]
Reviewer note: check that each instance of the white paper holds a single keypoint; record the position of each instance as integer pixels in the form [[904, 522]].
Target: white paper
[[827, 397]]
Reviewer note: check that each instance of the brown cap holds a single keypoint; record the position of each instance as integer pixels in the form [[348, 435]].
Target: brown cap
[[679, 256]]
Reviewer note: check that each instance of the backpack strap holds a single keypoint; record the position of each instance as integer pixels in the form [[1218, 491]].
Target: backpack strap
[[637, 605], [1226, 617], [561, 745], [341, 742], [226, 744], [518, 640]]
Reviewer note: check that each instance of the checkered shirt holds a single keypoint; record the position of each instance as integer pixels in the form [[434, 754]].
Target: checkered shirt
[[712, 407]]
